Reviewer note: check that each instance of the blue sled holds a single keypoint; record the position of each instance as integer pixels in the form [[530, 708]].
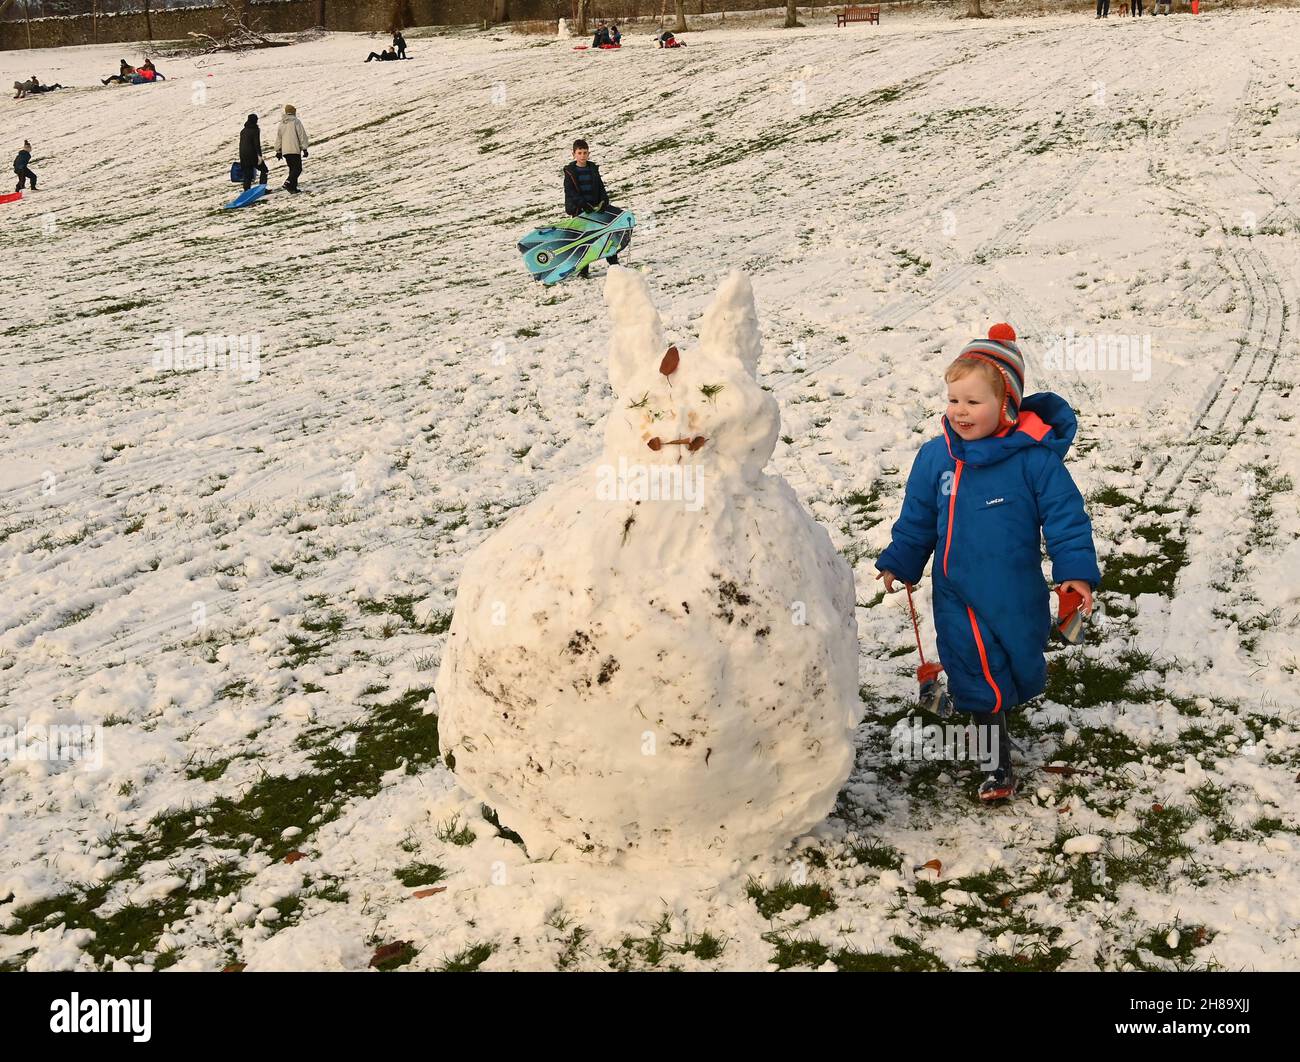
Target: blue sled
[[245, 198]]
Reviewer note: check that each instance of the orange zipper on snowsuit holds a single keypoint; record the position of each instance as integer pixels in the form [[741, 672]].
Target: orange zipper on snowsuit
[[947, 545]]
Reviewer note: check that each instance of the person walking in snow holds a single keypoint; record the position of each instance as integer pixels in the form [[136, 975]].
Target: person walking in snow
[[584, 191], [21, 167], [250, 153], [291, 144], [980, 497]]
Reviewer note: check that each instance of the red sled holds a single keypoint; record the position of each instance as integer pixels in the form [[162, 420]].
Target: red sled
[[12, 197]]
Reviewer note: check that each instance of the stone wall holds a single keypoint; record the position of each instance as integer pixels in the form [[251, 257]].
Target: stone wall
[[355, 16]]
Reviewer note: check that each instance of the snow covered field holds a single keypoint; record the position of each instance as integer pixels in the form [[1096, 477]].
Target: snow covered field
[[246, 577]]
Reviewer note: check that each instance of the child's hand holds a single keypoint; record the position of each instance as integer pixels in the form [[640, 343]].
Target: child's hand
[[889, 578], [1083, 590]]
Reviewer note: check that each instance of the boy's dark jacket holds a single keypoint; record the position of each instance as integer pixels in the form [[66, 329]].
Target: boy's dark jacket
[[978, 507], [20, 163], [250, 144], [574, 201]]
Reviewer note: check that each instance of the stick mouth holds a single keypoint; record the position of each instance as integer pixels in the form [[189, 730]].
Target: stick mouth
[[692, 444]]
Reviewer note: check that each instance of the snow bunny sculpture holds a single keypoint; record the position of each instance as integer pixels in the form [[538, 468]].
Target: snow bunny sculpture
[[656, 663]]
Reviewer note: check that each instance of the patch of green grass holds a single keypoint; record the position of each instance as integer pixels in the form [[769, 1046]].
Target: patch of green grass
[[387, 738], [706, 947], [452, 832], [115, 307], [468, 959], [875, 854], [910, 958], [1143, 856], [301, 650], [1036, 958], [1101, 683], [1153, 573], [418, 875], [786, 894], [331, 622], [793, 951], [1156, 941]]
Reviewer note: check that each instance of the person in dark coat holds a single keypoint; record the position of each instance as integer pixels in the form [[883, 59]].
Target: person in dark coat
[[388, 55], [250, 153], [20, 167], [584, 191], [399, 43], [125, 71]]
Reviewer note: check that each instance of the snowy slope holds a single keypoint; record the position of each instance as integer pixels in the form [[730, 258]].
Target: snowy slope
[[248, 581]]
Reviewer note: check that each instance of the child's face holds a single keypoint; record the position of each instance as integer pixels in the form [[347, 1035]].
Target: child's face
[[581, 155], [972, 407]]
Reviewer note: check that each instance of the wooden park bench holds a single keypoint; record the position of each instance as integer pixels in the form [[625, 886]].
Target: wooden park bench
[[858, 14]]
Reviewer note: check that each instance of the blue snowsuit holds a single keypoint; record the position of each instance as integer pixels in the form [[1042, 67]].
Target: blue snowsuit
[[979, 507]]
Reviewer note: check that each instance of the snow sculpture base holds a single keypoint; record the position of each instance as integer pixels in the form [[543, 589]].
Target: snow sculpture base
[[657, 662]]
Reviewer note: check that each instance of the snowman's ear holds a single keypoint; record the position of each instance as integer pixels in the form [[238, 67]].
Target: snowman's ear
[[637, 339], [730, 326]]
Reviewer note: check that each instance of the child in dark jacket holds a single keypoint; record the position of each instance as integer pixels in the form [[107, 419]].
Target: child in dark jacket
[[584, 191], [21, 161], [250, 153], [981, 497]]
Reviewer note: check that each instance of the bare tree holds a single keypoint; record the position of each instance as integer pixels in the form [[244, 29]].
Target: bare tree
[[681, 26], [148, 21], [973, 10], [791, 15], [581, 18]]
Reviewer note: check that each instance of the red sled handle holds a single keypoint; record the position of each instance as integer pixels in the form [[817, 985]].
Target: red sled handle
[[1070, 614]]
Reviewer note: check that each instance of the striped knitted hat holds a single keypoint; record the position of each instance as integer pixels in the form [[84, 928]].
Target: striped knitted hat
[[1000, 351]]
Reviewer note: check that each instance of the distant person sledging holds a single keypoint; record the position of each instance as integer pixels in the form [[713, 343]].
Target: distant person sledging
[[388, 55], [127, 74], [32, 87], [291, 145], [147, 74], [125, 71], [668, 40], [607, 36], [981, 498]]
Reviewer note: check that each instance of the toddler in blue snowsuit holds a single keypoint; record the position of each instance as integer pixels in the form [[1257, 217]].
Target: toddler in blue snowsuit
[[981, 497]]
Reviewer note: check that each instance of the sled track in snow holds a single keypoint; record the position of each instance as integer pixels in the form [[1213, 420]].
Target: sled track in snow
[[1005, 239], [1242, 383]]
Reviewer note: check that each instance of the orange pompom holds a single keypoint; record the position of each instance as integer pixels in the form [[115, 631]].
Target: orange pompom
[[1003, 332]]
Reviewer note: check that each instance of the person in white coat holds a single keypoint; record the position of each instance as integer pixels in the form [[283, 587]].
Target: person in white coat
[[291, 144]]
